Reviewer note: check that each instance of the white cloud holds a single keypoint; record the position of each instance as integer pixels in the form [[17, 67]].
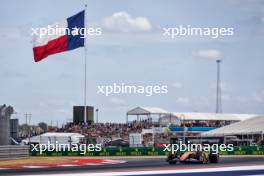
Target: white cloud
[[182, 100], [118, 101], [123, 22], [208, 54], [10, 33], [177, 85], [259, 97], [242, 99], [226, 97], [262, 19]]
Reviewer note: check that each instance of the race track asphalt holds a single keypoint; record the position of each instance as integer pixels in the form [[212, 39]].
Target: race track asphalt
[[135, 164]]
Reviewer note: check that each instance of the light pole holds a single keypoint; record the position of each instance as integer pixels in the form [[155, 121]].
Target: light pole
[[183, 117], [97, 110], [218, 108], [28, 119]]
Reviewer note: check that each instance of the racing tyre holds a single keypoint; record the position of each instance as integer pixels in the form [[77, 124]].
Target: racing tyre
[[204, 158], [172, 162], [214, 158]]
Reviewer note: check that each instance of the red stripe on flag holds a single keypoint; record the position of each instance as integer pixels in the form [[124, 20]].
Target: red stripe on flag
[[52, 47]]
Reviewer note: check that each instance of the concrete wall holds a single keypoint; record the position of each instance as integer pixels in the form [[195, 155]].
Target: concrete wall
[[5, 114], [14, 128]]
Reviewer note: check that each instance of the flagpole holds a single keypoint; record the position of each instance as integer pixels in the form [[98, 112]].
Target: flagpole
[[85, 60]]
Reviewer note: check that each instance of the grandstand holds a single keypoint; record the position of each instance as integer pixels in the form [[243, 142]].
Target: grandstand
[[156, 125], [201, 122], [180, 125], [193, 121]]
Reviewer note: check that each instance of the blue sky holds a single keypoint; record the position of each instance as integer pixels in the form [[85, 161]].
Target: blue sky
[[50, 88]]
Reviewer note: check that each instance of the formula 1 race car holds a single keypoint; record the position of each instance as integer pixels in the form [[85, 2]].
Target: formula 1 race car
[[193, 157]]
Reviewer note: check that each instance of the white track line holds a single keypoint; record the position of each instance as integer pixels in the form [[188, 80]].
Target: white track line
[[67, 165], [114, 161], [92, 164], [35, 167]]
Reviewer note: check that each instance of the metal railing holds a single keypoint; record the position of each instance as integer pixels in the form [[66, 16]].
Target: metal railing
[[13, 152]]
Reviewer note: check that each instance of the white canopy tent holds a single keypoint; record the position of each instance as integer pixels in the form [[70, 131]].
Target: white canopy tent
[[34, 139], [146, 111], [63, 138], [186, 116], [212, 116], [170, 119], [52, 137], [253, 125]]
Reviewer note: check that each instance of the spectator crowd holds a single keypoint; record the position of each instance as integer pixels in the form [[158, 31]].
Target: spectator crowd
[[112, 131]]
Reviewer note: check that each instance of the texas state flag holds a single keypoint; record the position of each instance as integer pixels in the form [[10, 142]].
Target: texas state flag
[[59, 37]]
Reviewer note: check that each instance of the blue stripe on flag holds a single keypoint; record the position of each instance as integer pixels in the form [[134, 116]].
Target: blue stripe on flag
[[75, 21]]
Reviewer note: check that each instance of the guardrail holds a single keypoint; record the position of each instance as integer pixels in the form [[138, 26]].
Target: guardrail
[[144, 151], [13, 152]]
